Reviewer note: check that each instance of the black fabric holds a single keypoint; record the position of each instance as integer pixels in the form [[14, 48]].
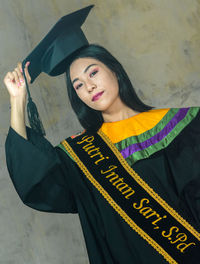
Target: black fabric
[[171, 226], [52, 53], [38, 174], [47, 179]]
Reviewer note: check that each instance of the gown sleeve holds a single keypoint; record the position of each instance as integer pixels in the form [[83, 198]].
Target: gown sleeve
[[40, 172]]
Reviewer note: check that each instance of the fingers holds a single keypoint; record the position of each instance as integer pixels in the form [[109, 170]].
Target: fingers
[[28, 77], [8, 78], [26, 72], [18, 76], [19, 65]]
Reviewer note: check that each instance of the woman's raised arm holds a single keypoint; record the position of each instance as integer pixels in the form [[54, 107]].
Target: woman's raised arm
[[39, 172], [16, 87]]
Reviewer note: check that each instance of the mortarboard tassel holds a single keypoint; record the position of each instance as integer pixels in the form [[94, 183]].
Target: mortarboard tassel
[[33, 115]]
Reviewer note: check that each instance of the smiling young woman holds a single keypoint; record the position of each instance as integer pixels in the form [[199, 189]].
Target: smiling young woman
[[97, 86], [92, 70], [132, 175]]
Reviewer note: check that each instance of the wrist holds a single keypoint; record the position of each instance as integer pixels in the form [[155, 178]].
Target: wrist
[[15, 101]]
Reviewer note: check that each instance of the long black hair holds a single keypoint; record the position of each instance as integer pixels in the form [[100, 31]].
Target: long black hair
[[89, 118]]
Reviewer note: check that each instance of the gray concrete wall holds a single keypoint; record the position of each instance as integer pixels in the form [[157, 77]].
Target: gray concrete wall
[[158, 43]]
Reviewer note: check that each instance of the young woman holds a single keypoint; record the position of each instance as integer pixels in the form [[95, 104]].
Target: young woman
[[161, 145]]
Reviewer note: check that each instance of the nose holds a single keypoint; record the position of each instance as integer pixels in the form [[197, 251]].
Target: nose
[[90, 86]]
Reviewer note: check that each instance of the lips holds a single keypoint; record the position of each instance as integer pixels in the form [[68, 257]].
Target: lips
[[97, 96]]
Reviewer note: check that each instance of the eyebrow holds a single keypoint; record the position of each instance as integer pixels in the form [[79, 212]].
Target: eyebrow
[[86, 69]]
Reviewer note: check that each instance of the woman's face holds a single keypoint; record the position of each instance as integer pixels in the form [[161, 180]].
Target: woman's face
[[95, 84]]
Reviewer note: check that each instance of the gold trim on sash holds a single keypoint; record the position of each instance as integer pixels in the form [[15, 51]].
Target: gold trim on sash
[[116, 207], [147, 188], [144, 186]]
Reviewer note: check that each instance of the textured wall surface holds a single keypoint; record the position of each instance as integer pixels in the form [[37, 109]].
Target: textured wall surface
[[157, 42]]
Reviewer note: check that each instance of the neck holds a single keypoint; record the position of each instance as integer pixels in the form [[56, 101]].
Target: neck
[[118, 112]]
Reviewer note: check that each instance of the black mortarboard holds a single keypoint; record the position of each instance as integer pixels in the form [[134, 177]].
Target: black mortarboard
[[51, 55]]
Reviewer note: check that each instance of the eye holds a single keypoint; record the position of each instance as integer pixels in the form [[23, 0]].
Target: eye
[[93, 73], [78, 86]]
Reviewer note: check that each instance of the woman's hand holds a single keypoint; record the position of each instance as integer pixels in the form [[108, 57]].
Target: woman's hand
[[15, 82], [16, 87]]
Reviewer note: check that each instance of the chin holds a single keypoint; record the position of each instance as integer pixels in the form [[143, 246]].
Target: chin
[[101, 107]]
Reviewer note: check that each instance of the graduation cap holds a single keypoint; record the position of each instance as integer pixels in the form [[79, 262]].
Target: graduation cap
[[52, 53]]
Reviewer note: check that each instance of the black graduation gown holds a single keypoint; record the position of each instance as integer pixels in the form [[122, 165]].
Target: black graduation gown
[[47, 179]]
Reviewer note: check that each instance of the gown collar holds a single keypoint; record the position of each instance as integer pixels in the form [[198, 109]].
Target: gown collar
[[133, 126]]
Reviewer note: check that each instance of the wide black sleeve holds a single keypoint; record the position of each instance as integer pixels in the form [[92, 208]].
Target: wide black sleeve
[[39, 173]]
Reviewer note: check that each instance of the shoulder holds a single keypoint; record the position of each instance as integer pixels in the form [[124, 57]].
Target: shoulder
[[166, 109], [64, 143], [70, 138]]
